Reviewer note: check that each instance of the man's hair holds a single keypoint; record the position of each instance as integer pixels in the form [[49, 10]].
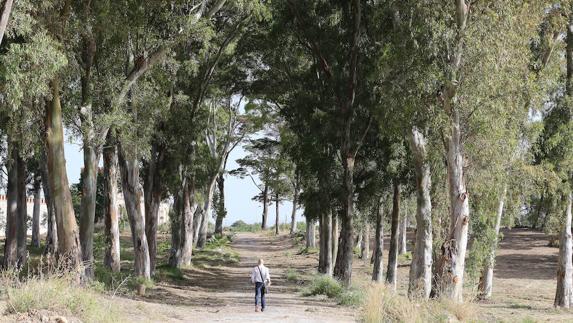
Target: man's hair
[[261, 261]]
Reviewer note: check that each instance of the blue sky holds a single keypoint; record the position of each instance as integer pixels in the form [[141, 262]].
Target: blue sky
[[238, 191]]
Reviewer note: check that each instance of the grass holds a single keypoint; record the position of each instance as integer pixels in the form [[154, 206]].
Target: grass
[[291, 275], [384, 305], [405, 258], [60, 294]]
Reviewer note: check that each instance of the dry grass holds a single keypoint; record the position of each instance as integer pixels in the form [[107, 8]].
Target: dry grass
[[58, 294], [384, 305]]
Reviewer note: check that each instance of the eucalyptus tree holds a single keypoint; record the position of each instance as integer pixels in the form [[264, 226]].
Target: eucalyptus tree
[[30, 58], [262, 153], [338, 66], [554, 147]]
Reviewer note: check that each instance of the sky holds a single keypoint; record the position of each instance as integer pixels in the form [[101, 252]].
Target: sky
[[238, 192]]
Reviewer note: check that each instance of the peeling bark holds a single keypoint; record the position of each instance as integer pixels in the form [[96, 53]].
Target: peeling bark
[[202, 239], [152, 200], [132, 194], [221, 211], [112, 258], [310, 233], [564, 291], [52, 234], [69, 250], [420, 283], [186, 226], [403, 236]]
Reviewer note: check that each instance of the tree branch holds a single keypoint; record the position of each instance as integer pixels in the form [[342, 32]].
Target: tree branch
[[4, 18]]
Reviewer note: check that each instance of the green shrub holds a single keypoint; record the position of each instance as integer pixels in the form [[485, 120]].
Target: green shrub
[[217, 242], [324, 285], [291, 275], [241, 226]]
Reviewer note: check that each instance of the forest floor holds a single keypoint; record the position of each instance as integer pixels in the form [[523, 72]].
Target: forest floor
[[216, 289]]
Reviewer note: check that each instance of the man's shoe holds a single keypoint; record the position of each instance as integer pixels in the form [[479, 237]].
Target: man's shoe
[[262, 309], [257, 309]]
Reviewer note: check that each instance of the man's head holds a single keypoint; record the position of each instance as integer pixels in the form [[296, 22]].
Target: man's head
[[261, 262]]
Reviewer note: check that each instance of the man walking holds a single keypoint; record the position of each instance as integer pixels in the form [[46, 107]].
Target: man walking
[[261, 277]]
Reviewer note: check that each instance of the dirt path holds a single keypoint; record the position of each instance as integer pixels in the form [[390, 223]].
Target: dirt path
[[524, 279], [224, 293]]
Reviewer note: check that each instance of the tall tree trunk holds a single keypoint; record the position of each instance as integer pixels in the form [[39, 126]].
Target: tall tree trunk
[[452, 258], [36, 211], [564, 292], [221, 210], [335, 237], [277, 222], [420, 283], [69, 252], [403, 236], [379, 247], [539, 209], [52, 234], [293, 214], [310, 233], [391, 272], [22, 219], [365, 248], [91, 153], [175, 218], [132, 192], [88, 203], [197, 219], [265, 207], [486, 280], [188, 206], [152, 197], [11, 241], [202, 239], [358, 242], [325, 253], [4, 18], [343, 268], [111, 216]]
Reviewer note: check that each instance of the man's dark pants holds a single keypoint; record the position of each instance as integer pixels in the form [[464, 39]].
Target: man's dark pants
[[259, 294]]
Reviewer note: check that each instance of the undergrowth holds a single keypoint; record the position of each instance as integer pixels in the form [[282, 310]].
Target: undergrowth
[[384, 305]]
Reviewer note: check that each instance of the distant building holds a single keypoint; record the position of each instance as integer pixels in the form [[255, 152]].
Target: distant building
[[29, 209]]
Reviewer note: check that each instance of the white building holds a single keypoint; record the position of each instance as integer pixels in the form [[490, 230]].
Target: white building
[[29, 209]]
